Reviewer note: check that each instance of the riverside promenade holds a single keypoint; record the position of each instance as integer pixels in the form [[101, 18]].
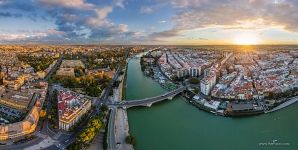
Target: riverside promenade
[[120, 126], [285, 104]]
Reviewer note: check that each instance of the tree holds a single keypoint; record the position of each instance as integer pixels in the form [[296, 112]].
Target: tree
[[151, 72], [104, 108], [130, 140], [75, 146], [90, 130], [1, 80], [270, 95], [194, 80], [37, 62], [43, 113], [116, 84], [91, 84], [174, 77], [1, 77], [53, 112]]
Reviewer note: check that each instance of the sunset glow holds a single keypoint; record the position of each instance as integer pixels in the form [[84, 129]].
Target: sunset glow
[[246, 40]]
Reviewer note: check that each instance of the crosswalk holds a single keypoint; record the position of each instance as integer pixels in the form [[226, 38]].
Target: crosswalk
[[41, 135], [56, 136]]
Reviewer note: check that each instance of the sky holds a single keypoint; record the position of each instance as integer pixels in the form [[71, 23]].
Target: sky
[[174, 22]]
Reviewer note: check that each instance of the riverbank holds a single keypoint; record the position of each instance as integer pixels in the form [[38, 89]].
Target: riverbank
[[219, 107], [179, 125], [121, 120], [224, 108], [123, 82], [287, 103], [255, 108], [243, 108]]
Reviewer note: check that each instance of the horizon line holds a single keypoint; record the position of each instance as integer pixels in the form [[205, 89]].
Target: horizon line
[[11, 44]]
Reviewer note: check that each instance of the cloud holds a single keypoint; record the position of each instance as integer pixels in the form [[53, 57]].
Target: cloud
[[123, 27], [100, 19], [9, 15], [261, 13], [85, 20], [162, 21], [12, 37], [164, 34], [74, 21], [235, 15], [146, 10], [75, 25], [26, 36], [80, 4], [2, 2], [119, 3], [186, 3], [19, 5], [53, 31]]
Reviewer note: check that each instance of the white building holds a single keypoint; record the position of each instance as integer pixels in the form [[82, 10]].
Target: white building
[[182, 72], [195, 71], [208, 82]]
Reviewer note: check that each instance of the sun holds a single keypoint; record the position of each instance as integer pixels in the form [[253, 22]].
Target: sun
[[246, 39]]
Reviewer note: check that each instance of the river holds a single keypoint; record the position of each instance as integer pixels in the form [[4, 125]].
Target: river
[[177, 125]]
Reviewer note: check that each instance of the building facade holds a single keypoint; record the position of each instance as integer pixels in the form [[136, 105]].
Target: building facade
[[71, 108]]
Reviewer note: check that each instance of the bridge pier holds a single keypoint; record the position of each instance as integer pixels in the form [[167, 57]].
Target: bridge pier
[[170, 98], [149, 105]]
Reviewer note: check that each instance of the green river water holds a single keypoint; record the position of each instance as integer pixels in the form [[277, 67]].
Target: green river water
[[178, 125]]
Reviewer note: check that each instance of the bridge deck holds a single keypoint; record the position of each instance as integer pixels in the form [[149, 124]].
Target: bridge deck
[[147, 101]]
